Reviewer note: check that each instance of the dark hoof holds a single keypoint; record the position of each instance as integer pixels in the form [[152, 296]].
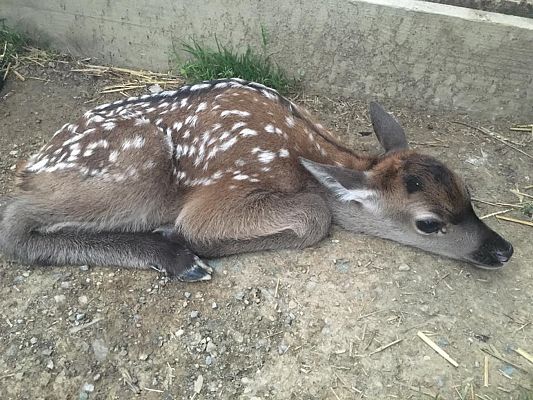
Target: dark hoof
[[197, 271]]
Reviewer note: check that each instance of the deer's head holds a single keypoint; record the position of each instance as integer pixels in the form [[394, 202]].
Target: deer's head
[[412, 199]]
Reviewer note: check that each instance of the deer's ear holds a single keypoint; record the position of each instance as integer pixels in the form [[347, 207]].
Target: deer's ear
[[389, 132], [346, 184]]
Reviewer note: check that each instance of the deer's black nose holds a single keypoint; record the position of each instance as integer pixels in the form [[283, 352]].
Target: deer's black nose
[[505, 254]]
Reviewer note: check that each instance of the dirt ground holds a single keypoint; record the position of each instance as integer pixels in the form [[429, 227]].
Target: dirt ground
[[308, 324]]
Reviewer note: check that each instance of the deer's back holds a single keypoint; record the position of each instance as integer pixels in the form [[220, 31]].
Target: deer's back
[[228, 132]]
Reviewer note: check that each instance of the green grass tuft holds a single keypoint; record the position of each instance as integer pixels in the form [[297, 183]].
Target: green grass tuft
[[11, 44], [207, 64]]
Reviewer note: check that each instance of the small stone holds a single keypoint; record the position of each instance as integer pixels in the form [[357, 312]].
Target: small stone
[[88, 387], [208, 360], [194, 314], [187, 295], [100, 349], [84, 268], [239, 296], [50, 364], [83, 300], [282, 348], [198, 384], [404, 267], [26, 274], [60, 298], [143, 356], [33, 340], [214, 305], [83, 396], [427, 358], [66, 285], [154, 89], [179, 332], [292, 304], [97, 377], [211, 347], [123, 353], [47, 352], [80, 316], [239, 338]]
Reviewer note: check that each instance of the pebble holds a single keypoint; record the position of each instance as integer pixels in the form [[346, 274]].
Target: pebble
[[88, 387], [179, 332], [66, 285], [84, 268], [404, 267], [97, 377], [80, 316], [50, 364], [194, 314], [187, 295], [33, 340], [239, 338], [198, 384], [47, 352], [26, 274], [208, 360], [83, 300], [214, 305], [211, 347], [83, 396], [143, 356], [155, 88], [60, 298], [100, 349]]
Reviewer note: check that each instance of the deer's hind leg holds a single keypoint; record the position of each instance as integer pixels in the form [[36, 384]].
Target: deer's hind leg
[[249, 221], [112, 226]]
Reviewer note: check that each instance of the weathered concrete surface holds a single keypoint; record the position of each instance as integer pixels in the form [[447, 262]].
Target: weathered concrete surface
[[520, 8], [412, 52]]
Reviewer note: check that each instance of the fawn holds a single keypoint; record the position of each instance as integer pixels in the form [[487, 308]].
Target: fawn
[[224, 167]]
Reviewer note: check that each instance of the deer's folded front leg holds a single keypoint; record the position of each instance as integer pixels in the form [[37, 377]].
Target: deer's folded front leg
[[248, 220]]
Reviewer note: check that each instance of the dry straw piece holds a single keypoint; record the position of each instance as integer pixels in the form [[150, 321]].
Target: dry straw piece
[[435, 347]]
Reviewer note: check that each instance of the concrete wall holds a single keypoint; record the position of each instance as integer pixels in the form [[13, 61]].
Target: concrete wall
[[410, 52]]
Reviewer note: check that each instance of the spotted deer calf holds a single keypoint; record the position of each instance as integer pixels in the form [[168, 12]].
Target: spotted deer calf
[[226, 167]]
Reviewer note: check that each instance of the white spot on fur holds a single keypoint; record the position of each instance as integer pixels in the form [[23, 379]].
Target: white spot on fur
[[113, 156], [200, 86], [141, 121], [136, 143], [177, 126], [284, 153], [221, 85], [270, 128], [238, 125], [248, 132], [234, 112], [289, 121], [226, 145], [184, 102], [191, 120], [201, 107], [240, 177]]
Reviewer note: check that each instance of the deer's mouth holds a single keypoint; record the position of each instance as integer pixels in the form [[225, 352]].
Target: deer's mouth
[[494, 259]]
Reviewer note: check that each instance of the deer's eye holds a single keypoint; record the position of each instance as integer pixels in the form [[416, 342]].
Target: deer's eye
[[429, 225]]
